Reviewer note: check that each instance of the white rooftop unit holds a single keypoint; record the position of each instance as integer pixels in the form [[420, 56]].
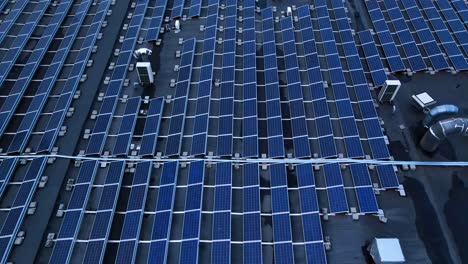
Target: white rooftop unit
[[389, 90], [145, 73], [386, 250], [423, 100]]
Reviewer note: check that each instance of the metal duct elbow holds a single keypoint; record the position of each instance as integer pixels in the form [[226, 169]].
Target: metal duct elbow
[[438, 112], [441, 130]]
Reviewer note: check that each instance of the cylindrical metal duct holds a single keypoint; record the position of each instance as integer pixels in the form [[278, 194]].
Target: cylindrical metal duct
[[441, 130], [438, 112]]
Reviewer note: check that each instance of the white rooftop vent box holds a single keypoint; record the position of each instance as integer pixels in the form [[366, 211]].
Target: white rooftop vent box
[[423, 101], [386, 251], [389, 90], [145, 73]]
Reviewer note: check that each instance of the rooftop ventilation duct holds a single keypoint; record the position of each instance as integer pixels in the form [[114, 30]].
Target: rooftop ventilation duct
[[441, 130], [439, 111], [142, 54]]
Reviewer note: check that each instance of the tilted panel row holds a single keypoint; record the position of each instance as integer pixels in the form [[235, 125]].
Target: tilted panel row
[[455, 24], [127, 126], [151, 129]]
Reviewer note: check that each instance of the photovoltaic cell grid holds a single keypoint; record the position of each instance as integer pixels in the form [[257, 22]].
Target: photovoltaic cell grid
[[23, 132], [321, 111], [335, 70], [111, 97], [179, 105], [404, 35], [385, 37], [335, 188], [454, 22], [68, 233], [134, 215], [163, 213], [26, 75], [151, 129], [127, 126], [195, 7], [20, 206], [177, 8], [156, 20], [462, 10], [369, 116], [13, 15], [7, 167], [282, 236], [100, 229], [2, 5], [388, 178], [66, 95], [372, 57], [249, 91], [425, 36], [252, 221], [226, 102], [200, 129], [313, 238], [445, 38], [273, 103], [363, 188], [221, 247], [8, 60], [192, 213], [295, 99]]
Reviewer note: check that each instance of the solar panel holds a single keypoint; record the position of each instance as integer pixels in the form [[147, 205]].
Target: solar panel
[[313, 238], [385, 37], [192, 213], [200, 130], [404, 35], [104, 214], [31, 117], [156, 20], [9, 59], [14, 13], [445, 38], [135, 208], [455, 24], [363, 188], [221, 248], [20, 206], [66, 94], [282, 236], [2, 5], [151, 130], [343, 103], [124, 137], [425, 36], [7, 167], [163, 217], [177, 121], [195, 7], [249, 118], [373, 58], [335, 188], [273, 103], [462, 10], [296, 104], [322, 114], [252, 235], [226, 102], [177, 8], [387, 176], [68, 233], [104, 118]]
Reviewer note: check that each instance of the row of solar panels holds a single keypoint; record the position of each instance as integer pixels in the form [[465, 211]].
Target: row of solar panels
[[420, 34]]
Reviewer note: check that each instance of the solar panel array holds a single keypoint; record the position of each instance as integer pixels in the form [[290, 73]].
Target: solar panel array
[[455, 24], [156, 20], [372, 57], [151, 129], [15, 12]]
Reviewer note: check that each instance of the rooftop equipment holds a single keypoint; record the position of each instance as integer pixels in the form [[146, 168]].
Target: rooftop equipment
[[441, 130], [145, 73], [438, 112], [389, 90], [288, 11], [386, 250], [177, 26], [423, 101]]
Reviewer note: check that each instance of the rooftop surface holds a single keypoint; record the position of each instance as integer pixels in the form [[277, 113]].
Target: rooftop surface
[[268, 146]]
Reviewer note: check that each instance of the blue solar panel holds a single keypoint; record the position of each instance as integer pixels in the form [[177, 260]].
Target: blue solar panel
[[14, 13], [20, 205], [162, 217], [104, 214], [25, 129], [455, 24], [7, 167], [373, 58], [425, 36], [363, 188], [385, 37], [156, 20], [445, 38], [136, 204], [177, 8], [176, 124], [151, 129], [127, 126], [462, 10], [335, 188], [195, 7], [66, 95], [387, 176]]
